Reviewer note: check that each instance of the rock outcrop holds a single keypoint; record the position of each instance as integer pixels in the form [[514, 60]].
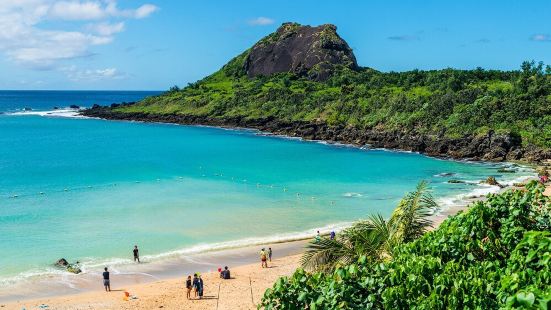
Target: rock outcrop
[[303, 50], [490, 147]]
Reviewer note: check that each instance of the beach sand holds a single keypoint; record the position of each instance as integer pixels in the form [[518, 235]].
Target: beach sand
[[243, 291]]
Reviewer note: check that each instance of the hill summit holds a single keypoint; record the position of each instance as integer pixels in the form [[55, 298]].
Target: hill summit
[[303, 50]]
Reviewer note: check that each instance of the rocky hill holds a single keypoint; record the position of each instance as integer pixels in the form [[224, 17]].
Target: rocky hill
[[302, 50]]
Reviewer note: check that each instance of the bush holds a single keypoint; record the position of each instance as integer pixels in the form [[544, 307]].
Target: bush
[[495, 255]]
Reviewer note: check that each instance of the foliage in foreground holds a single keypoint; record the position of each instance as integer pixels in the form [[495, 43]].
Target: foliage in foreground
[[375, 238], [495, 255]]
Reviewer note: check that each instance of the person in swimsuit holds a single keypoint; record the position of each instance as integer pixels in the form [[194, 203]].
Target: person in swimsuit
[[106, 282], [136, 254], [189, 286]]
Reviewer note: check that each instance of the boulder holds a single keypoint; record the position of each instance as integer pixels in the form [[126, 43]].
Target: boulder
[[304, 50]]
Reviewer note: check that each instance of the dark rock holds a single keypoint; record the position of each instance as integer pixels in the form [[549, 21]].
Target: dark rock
[[303, 50], [27, 109], [96, 106], [62, 263], [456, 181], [115, 105], [505, 170], [491, 147], [56, 108], [73, 268], [492, 181], [74, 106]]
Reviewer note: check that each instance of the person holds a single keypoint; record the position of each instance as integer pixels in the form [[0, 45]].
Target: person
[[136, 254], [263, 259], [270, 254], [106, 282], [332, 235], [225, 274], [318, 236], [188, 287], [200, 287], [195, 284]]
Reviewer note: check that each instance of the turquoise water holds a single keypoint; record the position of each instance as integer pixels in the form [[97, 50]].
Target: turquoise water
[[88, 189]]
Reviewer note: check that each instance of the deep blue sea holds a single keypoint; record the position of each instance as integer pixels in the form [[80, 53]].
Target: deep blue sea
[[89, 189]]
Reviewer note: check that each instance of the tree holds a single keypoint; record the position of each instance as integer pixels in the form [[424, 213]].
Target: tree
[[375, 238]]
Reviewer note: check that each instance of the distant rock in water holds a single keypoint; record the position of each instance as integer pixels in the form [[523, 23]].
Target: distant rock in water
[[72, 268], [27, 109], [74, 106], [303, 50]]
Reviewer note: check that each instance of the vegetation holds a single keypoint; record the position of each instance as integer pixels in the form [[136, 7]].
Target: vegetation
[[497, 255], [375, 238], [445, 102]]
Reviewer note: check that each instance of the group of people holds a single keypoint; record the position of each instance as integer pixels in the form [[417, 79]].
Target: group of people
[[196, 285], [265, 256]]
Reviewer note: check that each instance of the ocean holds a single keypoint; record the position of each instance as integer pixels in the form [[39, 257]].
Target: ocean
[[89, 189]]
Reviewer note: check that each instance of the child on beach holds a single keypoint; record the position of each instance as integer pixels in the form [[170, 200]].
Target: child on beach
[[188, 287], [106, 282], [263, 259]]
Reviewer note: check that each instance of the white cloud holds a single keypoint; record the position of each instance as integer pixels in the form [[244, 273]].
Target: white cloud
[[24, 41], [261, 21], [106, 29], [76, 10], [541, 37], [77, 75], [145, 10]]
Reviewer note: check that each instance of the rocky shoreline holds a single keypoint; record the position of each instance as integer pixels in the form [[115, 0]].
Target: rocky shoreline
[[488, 147]]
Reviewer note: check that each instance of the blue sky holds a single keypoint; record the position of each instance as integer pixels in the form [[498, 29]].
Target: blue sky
[[153, 44]]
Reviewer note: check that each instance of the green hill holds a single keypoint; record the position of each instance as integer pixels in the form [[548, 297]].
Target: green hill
[[313, 88]]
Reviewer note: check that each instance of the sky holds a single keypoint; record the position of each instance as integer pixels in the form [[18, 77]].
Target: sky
[[154, 44]]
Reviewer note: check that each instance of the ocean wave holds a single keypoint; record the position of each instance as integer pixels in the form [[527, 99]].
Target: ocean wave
[[90, 266], [352, 195], [66, 112]]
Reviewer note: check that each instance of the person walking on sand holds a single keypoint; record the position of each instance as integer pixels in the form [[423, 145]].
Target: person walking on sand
[[188, 287], [106, 282], [263, 259], [318, 237], [136, 254], [195, 284], [270, 254]]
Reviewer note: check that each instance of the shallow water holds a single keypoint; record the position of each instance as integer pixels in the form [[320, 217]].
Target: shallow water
[[88, 189]]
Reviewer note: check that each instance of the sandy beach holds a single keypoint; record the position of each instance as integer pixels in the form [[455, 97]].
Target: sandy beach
[[244, 291]]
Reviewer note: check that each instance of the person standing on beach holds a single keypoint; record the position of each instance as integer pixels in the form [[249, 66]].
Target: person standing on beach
[[195, 284], [270, 254], [318, 237], [332, 235], [106, 282], [188, 287], [201, 287], [136, 254], [263, 259]]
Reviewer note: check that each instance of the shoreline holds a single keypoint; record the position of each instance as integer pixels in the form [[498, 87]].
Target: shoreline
[[488, 147], [161, 275]]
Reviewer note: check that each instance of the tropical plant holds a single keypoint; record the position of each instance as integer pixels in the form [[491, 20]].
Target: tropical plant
[[374, 238], [497, 255]]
